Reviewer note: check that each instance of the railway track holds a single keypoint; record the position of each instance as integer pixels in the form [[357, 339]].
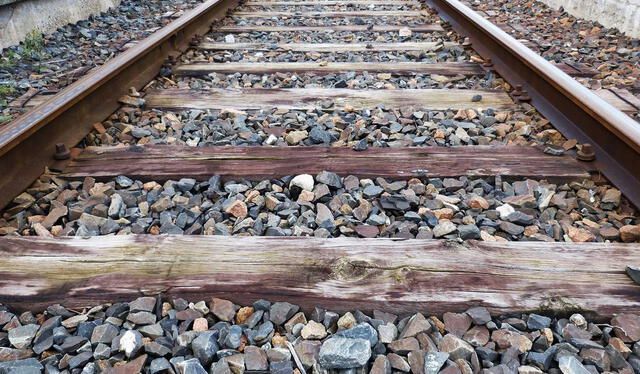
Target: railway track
[[372, 125]]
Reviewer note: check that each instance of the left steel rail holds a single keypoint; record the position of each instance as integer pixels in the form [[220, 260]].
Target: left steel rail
[[27, 145]]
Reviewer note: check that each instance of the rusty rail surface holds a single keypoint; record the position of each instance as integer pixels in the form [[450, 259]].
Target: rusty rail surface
[[27, 144], [572, 108]]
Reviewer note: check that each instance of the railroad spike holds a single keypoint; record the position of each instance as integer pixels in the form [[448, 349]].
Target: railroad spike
[[62, 152], [586, 153]]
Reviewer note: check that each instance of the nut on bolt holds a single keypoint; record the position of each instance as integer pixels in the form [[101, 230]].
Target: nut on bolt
[[586, 153], [62, 152]]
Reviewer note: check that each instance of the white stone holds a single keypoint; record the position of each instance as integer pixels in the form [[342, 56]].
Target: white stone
[[304, 181], [229, 39], [129, 342], [505, 210]]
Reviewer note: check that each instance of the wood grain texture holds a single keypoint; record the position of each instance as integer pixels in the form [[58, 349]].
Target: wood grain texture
[[395, 68], [621, 99], [330, 47], [341, 274], [354, 13], [375, 28], [332, 2], [160, 162], [310, 98]]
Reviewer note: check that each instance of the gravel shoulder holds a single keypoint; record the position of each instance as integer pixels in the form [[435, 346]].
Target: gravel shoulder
[[53, 61], [562, 37]]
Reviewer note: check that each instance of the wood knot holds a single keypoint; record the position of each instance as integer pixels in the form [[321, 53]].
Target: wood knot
[[348, 269]]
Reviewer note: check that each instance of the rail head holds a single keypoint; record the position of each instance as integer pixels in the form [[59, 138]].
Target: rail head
[[571, 107]]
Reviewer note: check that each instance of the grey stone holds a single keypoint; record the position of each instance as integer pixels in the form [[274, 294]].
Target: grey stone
[[142, 304], [570, 365], [387, 333], [205, 346], [344, 353], [433, 361], [280, 312], [281, 367], [330, 179], [26, 366], [158, 365], [362, 331], [191, 366], [538, 322], [80, 359], [21, 337], [104, 333], [479, 315]]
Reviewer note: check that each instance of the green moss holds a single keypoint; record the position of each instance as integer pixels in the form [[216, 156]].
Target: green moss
[[32, 49], [5, 119], [34, 43]]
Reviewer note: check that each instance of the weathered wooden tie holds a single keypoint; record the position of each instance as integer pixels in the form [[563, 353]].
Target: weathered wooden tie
[[332, 2], [335, 14], [396, 68], [330, 47], [163, 162], [374, 28], [403, 276], [311, 98]]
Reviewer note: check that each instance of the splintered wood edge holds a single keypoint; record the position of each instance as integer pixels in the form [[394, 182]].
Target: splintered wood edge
[[399, 276]]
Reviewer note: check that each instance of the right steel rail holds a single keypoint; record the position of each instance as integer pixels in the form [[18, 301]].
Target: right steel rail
[[572, 108]]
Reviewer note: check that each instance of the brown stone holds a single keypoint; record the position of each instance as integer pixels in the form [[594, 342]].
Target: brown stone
[[477, 336], [54, 215], [398, 362], [630, 233], [243, 314], [223, 309], [444, 213], [416, 324], [579, 235], [11, 354], [506, 339], [457, 323], [278, 340], [255, 358], [619, 346], [416, 361], [381, 365], [572, 331], [404, 346], [455, 347], [438, 323], [308, 352], [297, 318], [597, 357], [238, 209], [313, 330], [131, 367], [478, 202], [627, 327], [367, 231], [200, 324]]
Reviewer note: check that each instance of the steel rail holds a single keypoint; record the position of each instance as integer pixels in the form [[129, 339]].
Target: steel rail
[[27, 145], [572, 108]]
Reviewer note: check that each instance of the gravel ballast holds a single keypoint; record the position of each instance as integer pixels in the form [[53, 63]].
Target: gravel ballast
[[326, 205], [216, 336]]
